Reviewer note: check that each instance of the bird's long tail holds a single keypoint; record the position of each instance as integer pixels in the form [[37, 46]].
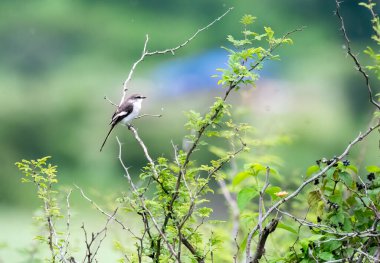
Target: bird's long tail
[[108, 134]]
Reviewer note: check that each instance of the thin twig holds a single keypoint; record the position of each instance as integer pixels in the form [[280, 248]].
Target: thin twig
[[149, 115], [354, 58], [97, 207], [68, 216], [141, 198], [146, 53], [114, 104], [145, 149]]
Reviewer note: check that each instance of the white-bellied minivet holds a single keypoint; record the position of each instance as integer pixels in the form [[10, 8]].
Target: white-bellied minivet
[[125, 113]]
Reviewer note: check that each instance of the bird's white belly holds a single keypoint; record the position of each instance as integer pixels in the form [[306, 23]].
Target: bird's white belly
[[136, 109]]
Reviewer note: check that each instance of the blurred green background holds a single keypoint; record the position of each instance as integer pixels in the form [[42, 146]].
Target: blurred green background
[[60, 58]]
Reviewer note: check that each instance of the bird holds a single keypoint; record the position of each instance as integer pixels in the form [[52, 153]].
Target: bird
[[125, 113]]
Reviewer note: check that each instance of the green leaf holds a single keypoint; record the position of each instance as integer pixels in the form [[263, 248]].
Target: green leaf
[[337, 218], [240, 177], [245, 196], [352, 168], [373, 169], [204, 211], [313, 198], [269, 32], [332, 245], [312, 170], [257, 168], [326, 256], [287, 227], [248, 19], [346, 178]]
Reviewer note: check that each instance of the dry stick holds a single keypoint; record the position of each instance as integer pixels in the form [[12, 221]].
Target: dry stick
[[354, 58], [145, 53], [90, 256], [299, 189], [232, 204], [145, 149], [104, 230], [261, 198], [110, 101], [68, 215], [97, 207], [149, 115]]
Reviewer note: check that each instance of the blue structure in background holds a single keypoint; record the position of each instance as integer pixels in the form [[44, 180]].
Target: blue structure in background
[[184, 75]]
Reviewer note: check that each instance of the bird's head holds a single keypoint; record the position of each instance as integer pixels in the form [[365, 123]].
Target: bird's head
[[136, 97]]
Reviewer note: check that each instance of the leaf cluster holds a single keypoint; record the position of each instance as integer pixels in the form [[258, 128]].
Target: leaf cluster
[[346, 205]]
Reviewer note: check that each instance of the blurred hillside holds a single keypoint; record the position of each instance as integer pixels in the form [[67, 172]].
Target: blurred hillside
[[59, 59]]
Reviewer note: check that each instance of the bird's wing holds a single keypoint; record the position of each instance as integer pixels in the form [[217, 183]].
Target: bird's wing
[[124, 110]]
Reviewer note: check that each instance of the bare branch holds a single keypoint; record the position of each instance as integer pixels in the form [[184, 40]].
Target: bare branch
[[89, 242], [146, 53], [114, 104], [354, 58], [262, 239], [97, 207], [145, 149], [260, 249], [68, 216], [149, 115]]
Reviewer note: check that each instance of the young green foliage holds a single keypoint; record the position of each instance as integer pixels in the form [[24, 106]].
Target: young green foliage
[[245, 59], [44, 176], [346, 205]]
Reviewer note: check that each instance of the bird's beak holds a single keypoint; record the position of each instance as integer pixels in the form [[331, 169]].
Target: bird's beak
[[143, 97]]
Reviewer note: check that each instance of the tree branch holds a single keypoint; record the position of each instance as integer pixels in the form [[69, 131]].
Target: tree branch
[[359, 138], [146, 53], [354, 58]]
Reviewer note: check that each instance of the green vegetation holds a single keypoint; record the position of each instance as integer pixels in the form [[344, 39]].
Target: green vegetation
[[331, 215]]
